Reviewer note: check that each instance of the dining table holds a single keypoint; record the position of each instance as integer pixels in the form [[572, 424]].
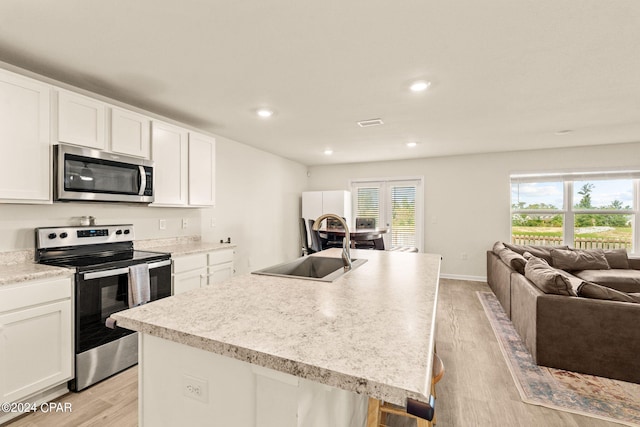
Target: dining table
[[356, 235]]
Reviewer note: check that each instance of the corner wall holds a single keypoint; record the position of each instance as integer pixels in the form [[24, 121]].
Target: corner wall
[[467, 197]]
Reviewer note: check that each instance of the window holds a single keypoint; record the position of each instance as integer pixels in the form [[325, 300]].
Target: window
[[396, 204], [582, 210]]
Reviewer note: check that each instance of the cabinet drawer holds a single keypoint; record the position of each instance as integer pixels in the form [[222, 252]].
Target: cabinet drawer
[[219, 257], [189, 262], [28, 294]]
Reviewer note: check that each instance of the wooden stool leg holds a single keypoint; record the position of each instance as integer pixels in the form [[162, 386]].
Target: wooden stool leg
[[373, 413]]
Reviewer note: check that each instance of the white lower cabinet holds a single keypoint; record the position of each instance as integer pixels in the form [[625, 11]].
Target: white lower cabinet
[[199, 270], [36, 345]]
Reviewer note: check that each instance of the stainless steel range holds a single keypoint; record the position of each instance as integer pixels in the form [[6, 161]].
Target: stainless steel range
[[102, 256]]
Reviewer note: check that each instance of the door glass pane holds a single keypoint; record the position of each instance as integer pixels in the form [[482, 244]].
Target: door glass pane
[[368, 203], [538, 229], [403, 213], [606, 231]]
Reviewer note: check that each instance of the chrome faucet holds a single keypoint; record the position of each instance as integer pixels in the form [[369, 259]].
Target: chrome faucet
[[346, 242]]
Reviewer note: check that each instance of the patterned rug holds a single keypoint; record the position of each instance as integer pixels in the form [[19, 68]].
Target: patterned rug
[[597, 397]]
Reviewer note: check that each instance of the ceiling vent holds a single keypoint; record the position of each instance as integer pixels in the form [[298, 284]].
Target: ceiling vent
[[371, 122]]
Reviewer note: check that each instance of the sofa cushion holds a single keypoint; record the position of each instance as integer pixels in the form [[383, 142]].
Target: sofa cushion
[[617, 258], [579, 259], [593, 290], [513, 260], [548, 279], [621, 280], [497, 247], [543, 252]]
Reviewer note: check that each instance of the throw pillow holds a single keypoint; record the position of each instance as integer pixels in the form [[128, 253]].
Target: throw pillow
[[578, 259], [513, 260], [593, 290], [543, 252], [548, 279], [617, 258]]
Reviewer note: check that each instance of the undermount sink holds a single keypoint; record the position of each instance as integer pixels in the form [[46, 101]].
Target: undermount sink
[[318, 268]]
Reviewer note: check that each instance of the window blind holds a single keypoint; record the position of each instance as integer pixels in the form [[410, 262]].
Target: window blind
[[403, 211], [368, 203]]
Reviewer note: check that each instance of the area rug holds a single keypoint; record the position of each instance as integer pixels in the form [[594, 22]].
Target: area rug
[[588, 395]]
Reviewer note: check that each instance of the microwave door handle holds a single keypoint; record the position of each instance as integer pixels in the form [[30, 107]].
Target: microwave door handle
[[119, 271], [143, 180]]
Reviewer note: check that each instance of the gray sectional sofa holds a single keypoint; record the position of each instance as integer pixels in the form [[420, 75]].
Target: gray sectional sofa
[[566, 331]]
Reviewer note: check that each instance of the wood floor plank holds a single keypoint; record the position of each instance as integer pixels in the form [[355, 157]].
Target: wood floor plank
[[477, 388]]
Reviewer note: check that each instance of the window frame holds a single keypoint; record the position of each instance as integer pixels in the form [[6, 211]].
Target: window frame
[[569, 211]]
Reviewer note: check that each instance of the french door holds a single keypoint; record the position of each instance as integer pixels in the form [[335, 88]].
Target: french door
[[394, 204]]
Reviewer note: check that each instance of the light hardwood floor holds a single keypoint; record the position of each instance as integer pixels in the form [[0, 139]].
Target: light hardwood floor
[[477, 388]]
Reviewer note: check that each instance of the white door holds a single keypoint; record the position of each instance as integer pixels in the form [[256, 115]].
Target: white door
[[202, 170], [130, 133], [394, 204], [25, 169], [81, 120], [169, 151], [35, 349]]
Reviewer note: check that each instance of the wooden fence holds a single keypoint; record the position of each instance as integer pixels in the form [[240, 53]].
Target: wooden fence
[[579, 242]]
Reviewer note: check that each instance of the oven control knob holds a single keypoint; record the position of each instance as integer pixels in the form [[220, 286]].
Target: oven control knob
[[119, 232], [63, 235], [127, 231], [52, 235]]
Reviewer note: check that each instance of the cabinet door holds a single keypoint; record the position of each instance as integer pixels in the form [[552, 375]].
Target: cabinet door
[[219, 273], [190, 280], [81, 120], [130, 133], [202, 170], [25, 168], [35, 349], [169, 151]]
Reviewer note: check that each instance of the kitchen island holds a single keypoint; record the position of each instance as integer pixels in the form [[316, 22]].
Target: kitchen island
[[266, 351]]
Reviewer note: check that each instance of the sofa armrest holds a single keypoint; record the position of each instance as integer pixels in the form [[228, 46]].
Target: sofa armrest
[[634, 263], [499, 280], [524, 307]]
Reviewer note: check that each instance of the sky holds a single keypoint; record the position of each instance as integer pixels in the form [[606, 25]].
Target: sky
[[604, 192]]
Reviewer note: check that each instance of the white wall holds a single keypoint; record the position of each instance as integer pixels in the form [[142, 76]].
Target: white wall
[[257, 205], [467, 198]]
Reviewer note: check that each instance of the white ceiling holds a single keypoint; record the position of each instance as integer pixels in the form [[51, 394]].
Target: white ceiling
[[506, 74]]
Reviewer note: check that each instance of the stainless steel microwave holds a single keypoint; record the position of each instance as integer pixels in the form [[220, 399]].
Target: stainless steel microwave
[[83, 174]]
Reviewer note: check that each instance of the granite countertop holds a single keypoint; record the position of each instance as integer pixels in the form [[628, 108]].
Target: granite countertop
[[19, 266], [181, 246], [370, 331]]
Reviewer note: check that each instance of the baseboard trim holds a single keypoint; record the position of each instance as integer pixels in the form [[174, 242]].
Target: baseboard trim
[[464, 277]]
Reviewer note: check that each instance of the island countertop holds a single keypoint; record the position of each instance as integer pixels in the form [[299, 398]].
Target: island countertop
[[371, 331]]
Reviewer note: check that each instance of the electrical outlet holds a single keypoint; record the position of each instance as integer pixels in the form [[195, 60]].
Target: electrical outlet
[[213, 222], [162, 224], [463, 256], [185, 222], [195, 388]]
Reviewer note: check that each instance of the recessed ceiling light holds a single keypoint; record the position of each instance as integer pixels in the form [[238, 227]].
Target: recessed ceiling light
[[411, 144], [328, 152], [563, 132], [265, 113], [419, 86]]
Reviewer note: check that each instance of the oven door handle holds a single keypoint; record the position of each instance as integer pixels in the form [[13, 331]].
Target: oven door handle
[[119, 271], [143, 180]]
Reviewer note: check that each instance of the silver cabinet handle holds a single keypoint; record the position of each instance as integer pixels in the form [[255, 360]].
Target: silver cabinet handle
[[119, 271]]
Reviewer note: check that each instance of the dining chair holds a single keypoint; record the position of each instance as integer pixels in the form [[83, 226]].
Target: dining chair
[[365, 223], [316, 241], [304, 239]]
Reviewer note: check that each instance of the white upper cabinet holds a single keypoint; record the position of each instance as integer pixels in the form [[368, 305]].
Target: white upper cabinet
[[169, 151], [80, 120], [25, 169], [202, 170], [130, 133]]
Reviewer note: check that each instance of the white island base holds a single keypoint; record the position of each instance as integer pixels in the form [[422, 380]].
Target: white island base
[[182, 385]]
